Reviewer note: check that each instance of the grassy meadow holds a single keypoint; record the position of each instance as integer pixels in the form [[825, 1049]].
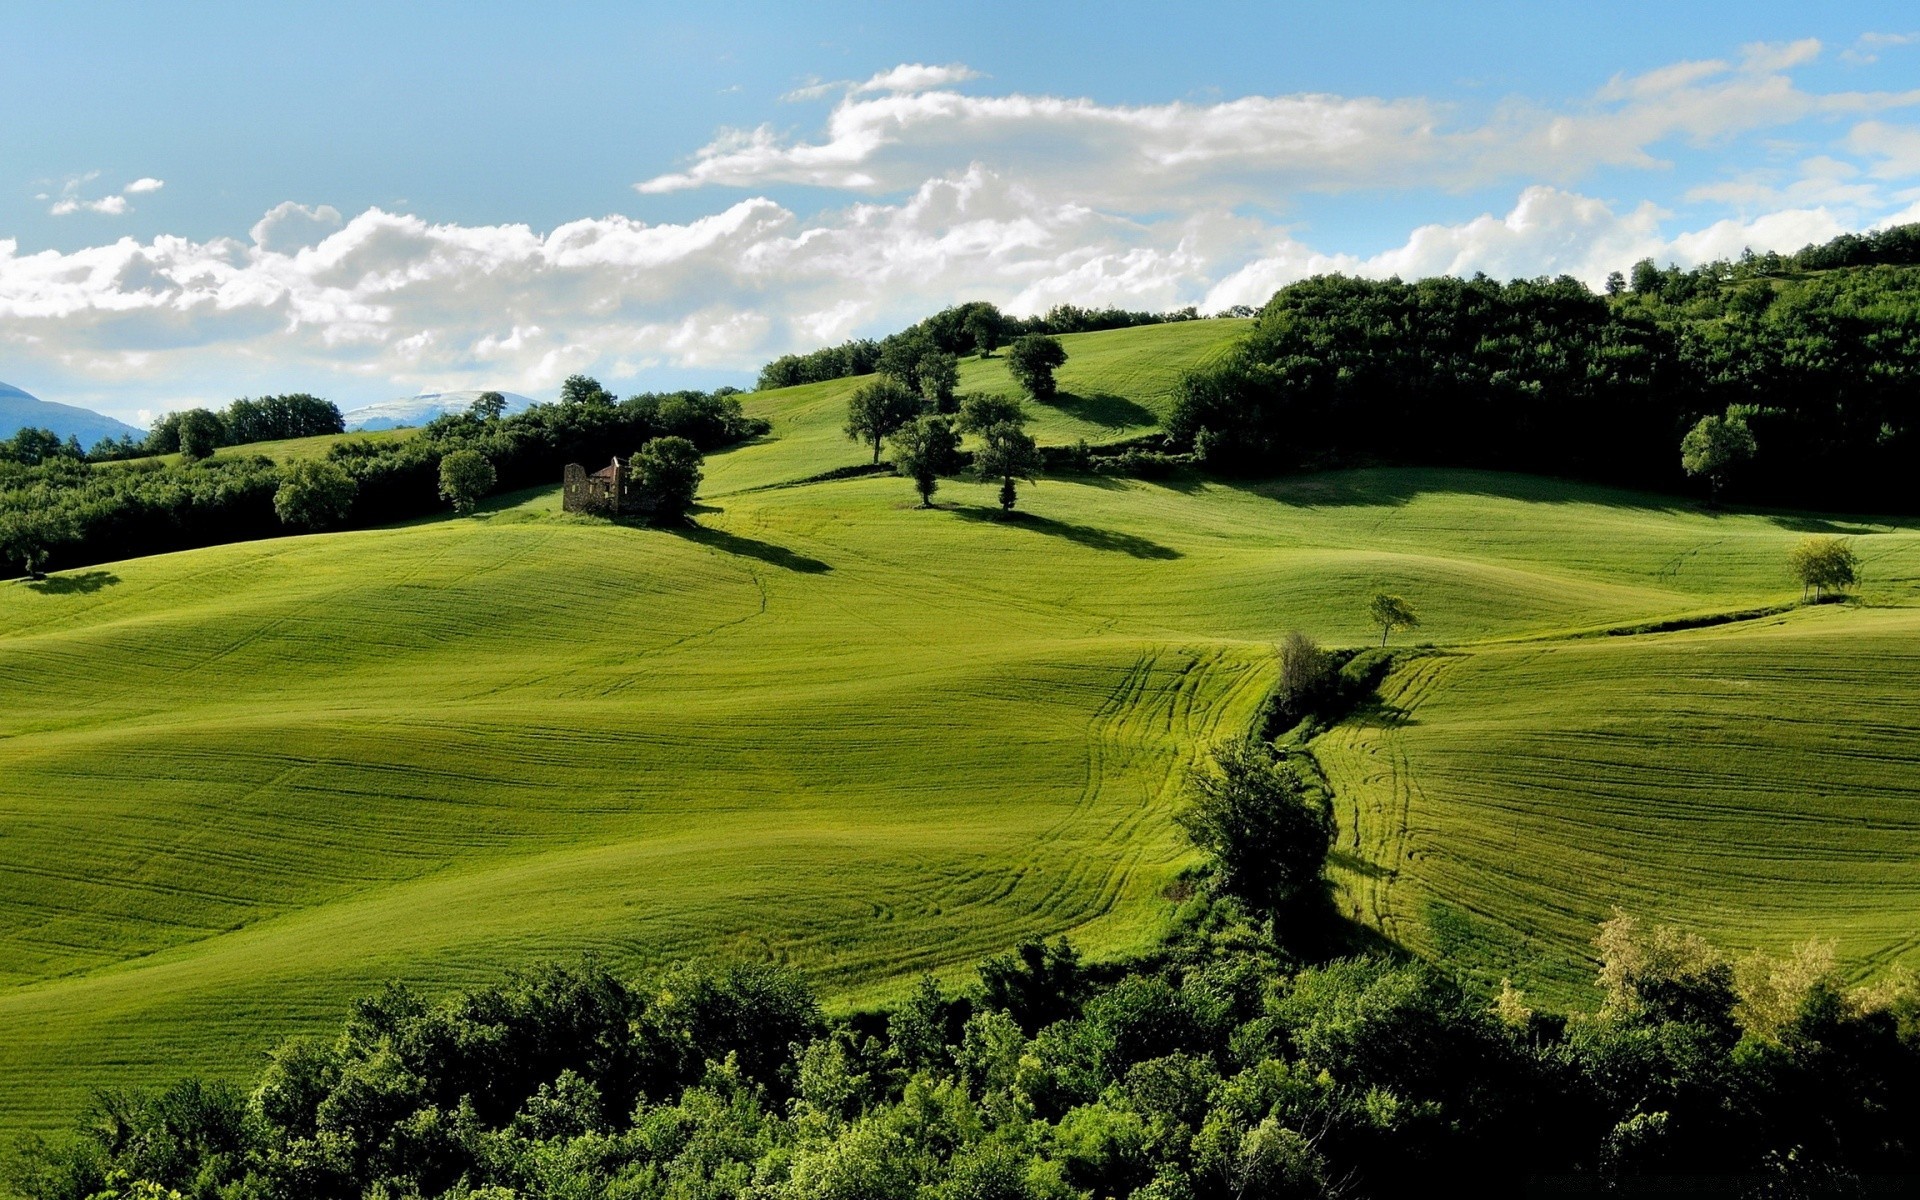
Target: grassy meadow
[[244, 784]]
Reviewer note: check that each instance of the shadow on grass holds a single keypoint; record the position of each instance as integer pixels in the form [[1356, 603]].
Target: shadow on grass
[[1090, 536], [82, 583], [1105, 410], [746, 547]]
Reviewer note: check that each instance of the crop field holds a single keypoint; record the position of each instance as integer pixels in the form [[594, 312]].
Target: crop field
[[240, 785]]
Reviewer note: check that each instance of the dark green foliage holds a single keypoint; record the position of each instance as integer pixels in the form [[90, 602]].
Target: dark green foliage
[[1266, 831], [1032, 360], [200, 433], [666, 474], [1545, 376], [939, 375], [586, 391], [466, 477], [1212, 1069], [274, 418], [925, 449], [31, 447], [1008, 453], [877, 409], [488, 406], [147, 508], [1715, 445], [314, 494]]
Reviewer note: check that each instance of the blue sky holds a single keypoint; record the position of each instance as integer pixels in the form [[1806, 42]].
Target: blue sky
[[201, 201]]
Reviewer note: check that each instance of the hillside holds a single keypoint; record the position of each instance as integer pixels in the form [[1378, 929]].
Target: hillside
[[246, 783]]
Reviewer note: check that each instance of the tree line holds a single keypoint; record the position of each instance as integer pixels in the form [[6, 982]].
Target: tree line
[[976, 327], [65, 512], [1789, 384]]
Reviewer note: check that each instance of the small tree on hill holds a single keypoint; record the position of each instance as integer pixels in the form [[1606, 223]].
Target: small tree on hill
[[489, 406], [466, 478], [981, 411], [1267, 833], [878, 408], [1033, 360], [1824, 564], [1306, 673], [1714, 446], [200, 433], [939, 376], [925, 449], [314, 494], [1390, 612], [1008, 453], [30, 538], [667, 474]]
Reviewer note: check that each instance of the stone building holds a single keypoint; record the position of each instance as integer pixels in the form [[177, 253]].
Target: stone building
[[607, 492]]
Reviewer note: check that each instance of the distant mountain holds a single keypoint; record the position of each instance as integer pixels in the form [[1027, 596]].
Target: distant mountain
[[418, 410], [18, 411]]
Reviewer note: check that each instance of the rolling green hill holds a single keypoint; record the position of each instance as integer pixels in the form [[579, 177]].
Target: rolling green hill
[[244, 784]]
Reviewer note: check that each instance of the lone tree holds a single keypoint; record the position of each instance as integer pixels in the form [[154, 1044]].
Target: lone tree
[[200, 433], [488, 406], [1033, 360], [314, 494], [1390, 612], [1265, 830], [939, 375], [983, 326], [1714, 446], [878, 408], [30, 538], [1007, 452], [925, 449], [667, 475], [466, 478], [1306, 676], [1824, 564]]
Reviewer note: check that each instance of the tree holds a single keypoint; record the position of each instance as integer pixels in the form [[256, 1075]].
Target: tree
[[1033, 360], [1824, 563], [981, 411], [925, 449], [585, 390], [1267, 834], [1008, 454], [200, 433], [983, 326], [1714, 445], [30, 537], [666, 476], [1390, 612], [939, 376], [489, 406], [1306, 671], [314, 493], [466, 478], [877, 409]]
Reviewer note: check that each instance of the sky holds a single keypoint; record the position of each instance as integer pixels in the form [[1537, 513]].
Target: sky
[[200, 201]]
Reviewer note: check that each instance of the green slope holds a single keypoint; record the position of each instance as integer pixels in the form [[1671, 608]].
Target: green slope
[[243, 784]]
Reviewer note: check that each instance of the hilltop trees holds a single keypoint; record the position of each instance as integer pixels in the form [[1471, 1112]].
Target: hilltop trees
[[1033, 360], [667, 473], [983, 326], [1008, 452], [1266, 832], [1390, 612], [488, 406], [200, 433], [1715, 445], [466, 478], [925, 449], [1824, 564], [585, 391], [878, 408], [314, 493]]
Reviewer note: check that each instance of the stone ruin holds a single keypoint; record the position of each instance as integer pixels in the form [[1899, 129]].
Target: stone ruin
[[607, 492]]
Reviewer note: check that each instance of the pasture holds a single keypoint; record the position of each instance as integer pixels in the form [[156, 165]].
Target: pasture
[[246, 783]]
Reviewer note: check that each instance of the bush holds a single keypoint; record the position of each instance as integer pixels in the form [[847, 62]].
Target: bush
[[314, 493]]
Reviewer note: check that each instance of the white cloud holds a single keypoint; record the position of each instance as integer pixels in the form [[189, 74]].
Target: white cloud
[[1150, 157], [145, 183], [1866, 49], [1896, 146], [71, 201]]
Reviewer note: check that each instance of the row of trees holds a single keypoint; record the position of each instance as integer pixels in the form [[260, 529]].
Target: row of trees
[[68, 512], [965, 329], [1821, 368]]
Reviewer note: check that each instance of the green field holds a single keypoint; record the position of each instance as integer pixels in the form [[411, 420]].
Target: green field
[[242, 784]]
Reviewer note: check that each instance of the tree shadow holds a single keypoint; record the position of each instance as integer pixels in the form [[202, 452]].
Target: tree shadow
[[83, 583], [746, 547], [1801, 523], [1090, 536], [1105, 410]]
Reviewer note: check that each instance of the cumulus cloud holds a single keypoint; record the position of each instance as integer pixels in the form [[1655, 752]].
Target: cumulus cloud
[[1897, 147], [145, 183], [905, 125]]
